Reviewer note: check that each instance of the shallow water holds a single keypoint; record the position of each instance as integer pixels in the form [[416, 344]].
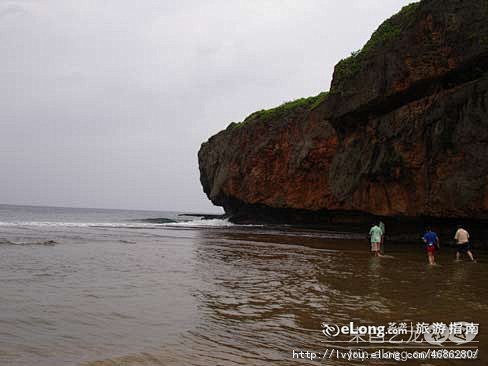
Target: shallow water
[[118, 292]]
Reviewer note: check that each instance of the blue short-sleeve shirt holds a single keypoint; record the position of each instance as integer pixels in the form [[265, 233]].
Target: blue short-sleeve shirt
[[430, 238]]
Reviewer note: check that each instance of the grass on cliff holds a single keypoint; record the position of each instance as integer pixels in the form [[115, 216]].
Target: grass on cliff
[[265, 115], [389, 30]]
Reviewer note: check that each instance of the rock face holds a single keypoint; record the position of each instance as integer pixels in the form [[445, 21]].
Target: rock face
[[403, 131]]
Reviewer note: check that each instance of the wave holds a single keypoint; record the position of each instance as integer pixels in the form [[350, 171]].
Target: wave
[[202, 223], [43, 242], [215, 223], [132, 225], [157, 220]]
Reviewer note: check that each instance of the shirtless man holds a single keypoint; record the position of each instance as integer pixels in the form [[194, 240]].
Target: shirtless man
[[463, 246]]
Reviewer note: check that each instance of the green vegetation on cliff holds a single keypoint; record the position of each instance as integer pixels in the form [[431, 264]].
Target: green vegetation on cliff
[[391, 28], [388, 31], [284, 109]]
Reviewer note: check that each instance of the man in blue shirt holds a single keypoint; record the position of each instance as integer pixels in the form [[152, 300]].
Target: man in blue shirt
[[432, 242]]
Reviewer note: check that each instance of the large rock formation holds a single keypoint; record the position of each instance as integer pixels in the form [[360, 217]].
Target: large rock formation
[[403, 131]]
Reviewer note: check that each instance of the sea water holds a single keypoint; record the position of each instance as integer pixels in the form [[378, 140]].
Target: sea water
[[109, 287]]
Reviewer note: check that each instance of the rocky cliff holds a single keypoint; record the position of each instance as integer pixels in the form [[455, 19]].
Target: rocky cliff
[[403, 131]]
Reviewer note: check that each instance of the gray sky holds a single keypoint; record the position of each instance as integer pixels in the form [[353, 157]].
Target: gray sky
[[106, 103]]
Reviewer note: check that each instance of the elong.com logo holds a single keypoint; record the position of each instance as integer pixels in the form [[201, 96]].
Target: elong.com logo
[[334, 330], [435, 333]]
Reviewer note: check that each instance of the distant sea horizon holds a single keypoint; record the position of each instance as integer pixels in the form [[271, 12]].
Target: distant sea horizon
[[195, 211]]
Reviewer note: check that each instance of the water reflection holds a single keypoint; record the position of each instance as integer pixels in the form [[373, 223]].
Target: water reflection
[[218, 296], [262, 299]]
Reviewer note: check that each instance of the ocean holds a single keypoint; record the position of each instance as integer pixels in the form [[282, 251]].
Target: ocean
[[120, 287]]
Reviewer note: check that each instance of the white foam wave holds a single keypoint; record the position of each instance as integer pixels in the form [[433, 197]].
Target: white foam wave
[[201, 223], [192, 223]]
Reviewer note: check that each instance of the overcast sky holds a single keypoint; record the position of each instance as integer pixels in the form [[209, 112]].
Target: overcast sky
[[106, 103]]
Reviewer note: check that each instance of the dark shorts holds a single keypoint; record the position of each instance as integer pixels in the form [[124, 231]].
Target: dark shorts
[[463, 248]]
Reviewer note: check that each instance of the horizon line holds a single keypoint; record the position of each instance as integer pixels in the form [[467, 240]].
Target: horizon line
[[107, 208]]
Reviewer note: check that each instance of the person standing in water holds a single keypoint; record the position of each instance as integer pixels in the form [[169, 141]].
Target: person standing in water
[[463, 246], [432, 242], [375, 234]]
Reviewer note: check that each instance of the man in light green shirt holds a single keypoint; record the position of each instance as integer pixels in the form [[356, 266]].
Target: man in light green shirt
[[375, 234]]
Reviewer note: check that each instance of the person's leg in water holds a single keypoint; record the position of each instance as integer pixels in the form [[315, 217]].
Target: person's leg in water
[[470, 255], [375, 248], [464, 248], [430, 255]]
